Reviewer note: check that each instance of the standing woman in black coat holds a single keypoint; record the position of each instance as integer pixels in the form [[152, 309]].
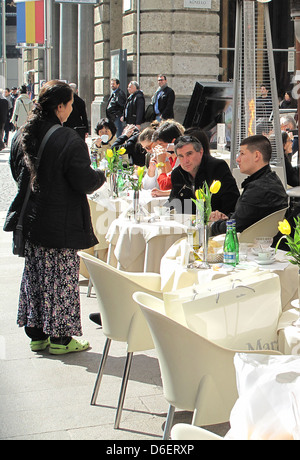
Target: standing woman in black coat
[[57, 222]]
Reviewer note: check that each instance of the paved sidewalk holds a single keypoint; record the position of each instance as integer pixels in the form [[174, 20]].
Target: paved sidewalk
[[44, 397]]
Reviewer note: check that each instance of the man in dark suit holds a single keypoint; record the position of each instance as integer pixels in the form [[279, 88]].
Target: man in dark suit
[[78, 119], [115, 105], [163, 100]]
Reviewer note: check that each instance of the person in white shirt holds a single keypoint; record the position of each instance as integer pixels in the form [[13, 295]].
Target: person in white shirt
[[22, 109]]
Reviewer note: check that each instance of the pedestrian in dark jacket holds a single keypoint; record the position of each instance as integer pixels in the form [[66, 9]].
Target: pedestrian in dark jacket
[[163, 100], [195, 168], [57, 221], [263, 192], [3, 118], [78, 119], [134, 112], [115, 105]]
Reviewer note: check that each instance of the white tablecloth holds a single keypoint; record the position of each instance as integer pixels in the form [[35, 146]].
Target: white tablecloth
[[140, 246], [288, 334], [175, 275]]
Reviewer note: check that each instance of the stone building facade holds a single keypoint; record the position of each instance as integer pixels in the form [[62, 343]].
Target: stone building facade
[[184, 39], [168, 38]]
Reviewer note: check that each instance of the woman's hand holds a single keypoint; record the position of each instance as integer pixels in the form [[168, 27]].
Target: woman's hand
[[156, 192], [152, 167]]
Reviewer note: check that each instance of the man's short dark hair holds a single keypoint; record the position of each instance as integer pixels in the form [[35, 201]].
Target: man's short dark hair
[[260, 143], [116, 80]]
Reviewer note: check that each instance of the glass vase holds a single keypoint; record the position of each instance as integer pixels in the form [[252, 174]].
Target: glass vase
[[113, 183], [136, 206], [203, 236]]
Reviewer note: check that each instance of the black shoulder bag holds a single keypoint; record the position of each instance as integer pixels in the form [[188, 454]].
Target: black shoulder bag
[[18, 246]]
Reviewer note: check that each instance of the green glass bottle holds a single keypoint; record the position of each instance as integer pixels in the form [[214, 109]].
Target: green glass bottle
[[237, 245], [229, 257]]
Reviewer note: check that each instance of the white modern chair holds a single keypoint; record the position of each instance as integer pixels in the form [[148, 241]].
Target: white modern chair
[[186, 432], [268, 226], [197, 374], [101, 217], [121, 317]]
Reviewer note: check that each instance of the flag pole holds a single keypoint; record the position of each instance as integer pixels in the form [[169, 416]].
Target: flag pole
[[48, 38]]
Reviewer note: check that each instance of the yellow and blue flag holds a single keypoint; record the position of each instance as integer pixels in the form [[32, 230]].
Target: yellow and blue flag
[[30, 22]]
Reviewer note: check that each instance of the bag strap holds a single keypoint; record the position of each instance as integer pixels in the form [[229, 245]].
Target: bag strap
[[38, 159]]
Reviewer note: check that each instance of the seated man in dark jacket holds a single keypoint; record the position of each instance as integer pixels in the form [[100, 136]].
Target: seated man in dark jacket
[[195, 168], [263, 191]]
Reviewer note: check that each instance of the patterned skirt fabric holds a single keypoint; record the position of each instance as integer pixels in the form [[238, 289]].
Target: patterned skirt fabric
[[49, 294]]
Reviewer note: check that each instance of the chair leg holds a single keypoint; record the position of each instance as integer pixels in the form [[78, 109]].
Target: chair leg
[[100, 372], [89, 290], [90, 279], [169, 422], [123, 389]]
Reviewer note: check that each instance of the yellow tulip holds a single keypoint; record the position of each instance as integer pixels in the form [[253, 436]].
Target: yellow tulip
[[109, 153], [122, 151], [215, 187], [199, 194], [284, 227], [140, 171]]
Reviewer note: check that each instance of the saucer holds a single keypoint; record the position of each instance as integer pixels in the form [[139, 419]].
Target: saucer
[[265, 262]]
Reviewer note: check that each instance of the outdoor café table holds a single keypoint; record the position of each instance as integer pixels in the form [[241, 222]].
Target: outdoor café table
[[139, 247], [288, 334], [175, 274]]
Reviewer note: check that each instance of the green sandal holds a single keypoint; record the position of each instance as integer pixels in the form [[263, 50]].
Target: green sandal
[[39, 345], [72, 347]]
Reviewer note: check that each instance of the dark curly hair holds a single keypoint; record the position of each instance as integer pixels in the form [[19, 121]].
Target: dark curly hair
[[52, 94]]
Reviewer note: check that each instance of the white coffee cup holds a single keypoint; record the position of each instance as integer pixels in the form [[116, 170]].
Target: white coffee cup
[[266, 255]]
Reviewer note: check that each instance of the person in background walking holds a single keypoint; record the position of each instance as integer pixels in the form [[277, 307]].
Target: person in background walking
[[78, 119], [22, 108], [134, 112], [115, 105], [3, 118], [9, 115]]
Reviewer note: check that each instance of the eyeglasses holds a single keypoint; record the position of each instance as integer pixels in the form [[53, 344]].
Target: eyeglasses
[[186, 140]]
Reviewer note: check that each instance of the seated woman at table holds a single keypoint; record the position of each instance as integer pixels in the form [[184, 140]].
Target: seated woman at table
[[137, 144], [164, 160], [106, 131]]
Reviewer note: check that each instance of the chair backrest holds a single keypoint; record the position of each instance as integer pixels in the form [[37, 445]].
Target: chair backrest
[[268, 226], [240, 177], [121, 317], [240, 315], [195, 372]]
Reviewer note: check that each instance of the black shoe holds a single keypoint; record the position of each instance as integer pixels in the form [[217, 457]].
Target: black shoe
[[96, 318]]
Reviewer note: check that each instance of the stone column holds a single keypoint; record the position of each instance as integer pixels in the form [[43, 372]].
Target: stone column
[[86, 55], [68, 42], [102, 61]]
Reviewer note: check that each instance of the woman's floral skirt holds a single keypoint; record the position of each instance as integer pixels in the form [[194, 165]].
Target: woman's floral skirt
[[49, 294]]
